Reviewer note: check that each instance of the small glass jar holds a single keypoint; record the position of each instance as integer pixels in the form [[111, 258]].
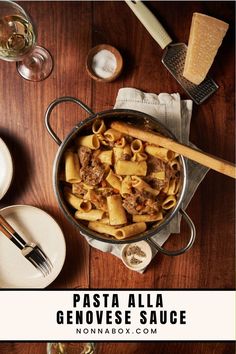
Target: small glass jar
[[71, 348]]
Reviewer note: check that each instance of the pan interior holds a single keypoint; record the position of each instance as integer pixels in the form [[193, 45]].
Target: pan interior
[[137, 119]]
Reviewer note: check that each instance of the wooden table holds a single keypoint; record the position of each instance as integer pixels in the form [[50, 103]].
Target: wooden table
[[69, 30]]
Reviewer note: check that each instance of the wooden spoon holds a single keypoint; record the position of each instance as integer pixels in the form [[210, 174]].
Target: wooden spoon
[[215, 163]]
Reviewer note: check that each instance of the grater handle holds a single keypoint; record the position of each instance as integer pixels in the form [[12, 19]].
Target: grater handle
[[150, 22]]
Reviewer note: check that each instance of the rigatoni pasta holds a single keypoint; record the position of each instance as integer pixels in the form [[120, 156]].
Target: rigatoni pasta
[[117, 185], [169, 202], [126, 186], [130, 230], [102, 228], [141, 185], [131, 168], [120, 142], [106, 157], [174, 185], [98, 127], [72, 167], [148, 218], [77, 203], [112, 135], [117, 153], [127, 151], [116, 211], [90, 215], [136, 146], [114, 180], [139, 156], [90, 141]]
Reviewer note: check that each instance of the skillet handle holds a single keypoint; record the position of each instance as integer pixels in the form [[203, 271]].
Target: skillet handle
[[54, 104], [181, 250]]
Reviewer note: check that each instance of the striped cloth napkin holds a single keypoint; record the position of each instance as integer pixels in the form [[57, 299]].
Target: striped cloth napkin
[[175, 114]]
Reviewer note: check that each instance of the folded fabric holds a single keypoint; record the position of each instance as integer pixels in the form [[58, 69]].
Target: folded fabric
[[175, 114]]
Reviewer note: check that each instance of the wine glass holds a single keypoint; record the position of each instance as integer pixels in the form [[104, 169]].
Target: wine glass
[[71, 348], [18, 43]]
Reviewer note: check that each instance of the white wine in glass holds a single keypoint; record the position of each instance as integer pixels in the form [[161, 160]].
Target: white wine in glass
[[18, 43], [71, 348]]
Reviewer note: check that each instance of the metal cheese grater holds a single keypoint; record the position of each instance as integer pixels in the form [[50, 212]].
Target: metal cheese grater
[[174, 54]]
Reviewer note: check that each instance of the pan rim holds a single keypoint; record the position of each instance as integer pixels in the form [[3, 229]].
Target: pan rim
[[82, 228]]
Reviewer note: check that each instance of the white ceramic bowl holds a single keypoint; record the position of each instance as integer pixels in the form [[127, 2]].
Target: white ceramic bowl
[[142, 262]]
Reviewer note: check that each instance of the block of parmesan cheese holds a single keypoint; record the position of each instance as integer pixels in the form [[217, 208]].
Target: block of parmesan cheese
[[206, 35]]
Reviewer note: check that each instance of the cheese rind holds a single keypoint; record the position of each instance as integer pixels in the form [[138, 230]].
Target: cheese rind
[[206, 35]]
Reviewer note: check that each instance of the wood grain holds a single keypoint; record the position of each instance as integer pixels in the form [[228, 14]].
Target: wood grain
[[132, 348], [69, 30]]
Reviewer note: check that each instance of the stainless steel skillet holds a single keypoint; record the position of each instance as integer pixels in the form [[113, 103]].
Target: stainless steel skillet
[[133, 117]]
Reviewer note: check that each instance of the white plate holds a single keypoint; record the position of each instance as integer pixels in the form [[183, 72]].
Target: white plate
[[6, 168], [34, 225]]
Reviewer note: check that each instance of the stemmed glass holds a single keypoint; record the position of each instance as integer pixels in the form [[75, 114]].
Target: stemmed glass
[[18, 43], [71, 348]]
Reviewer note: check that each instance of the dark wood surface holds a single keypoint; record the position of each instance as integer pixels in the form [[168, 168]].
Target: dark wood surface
[[69, 30]]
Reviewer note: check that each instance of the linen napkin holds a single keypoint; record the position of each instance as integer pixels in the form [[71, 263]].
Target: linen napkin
[[175, 114]]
